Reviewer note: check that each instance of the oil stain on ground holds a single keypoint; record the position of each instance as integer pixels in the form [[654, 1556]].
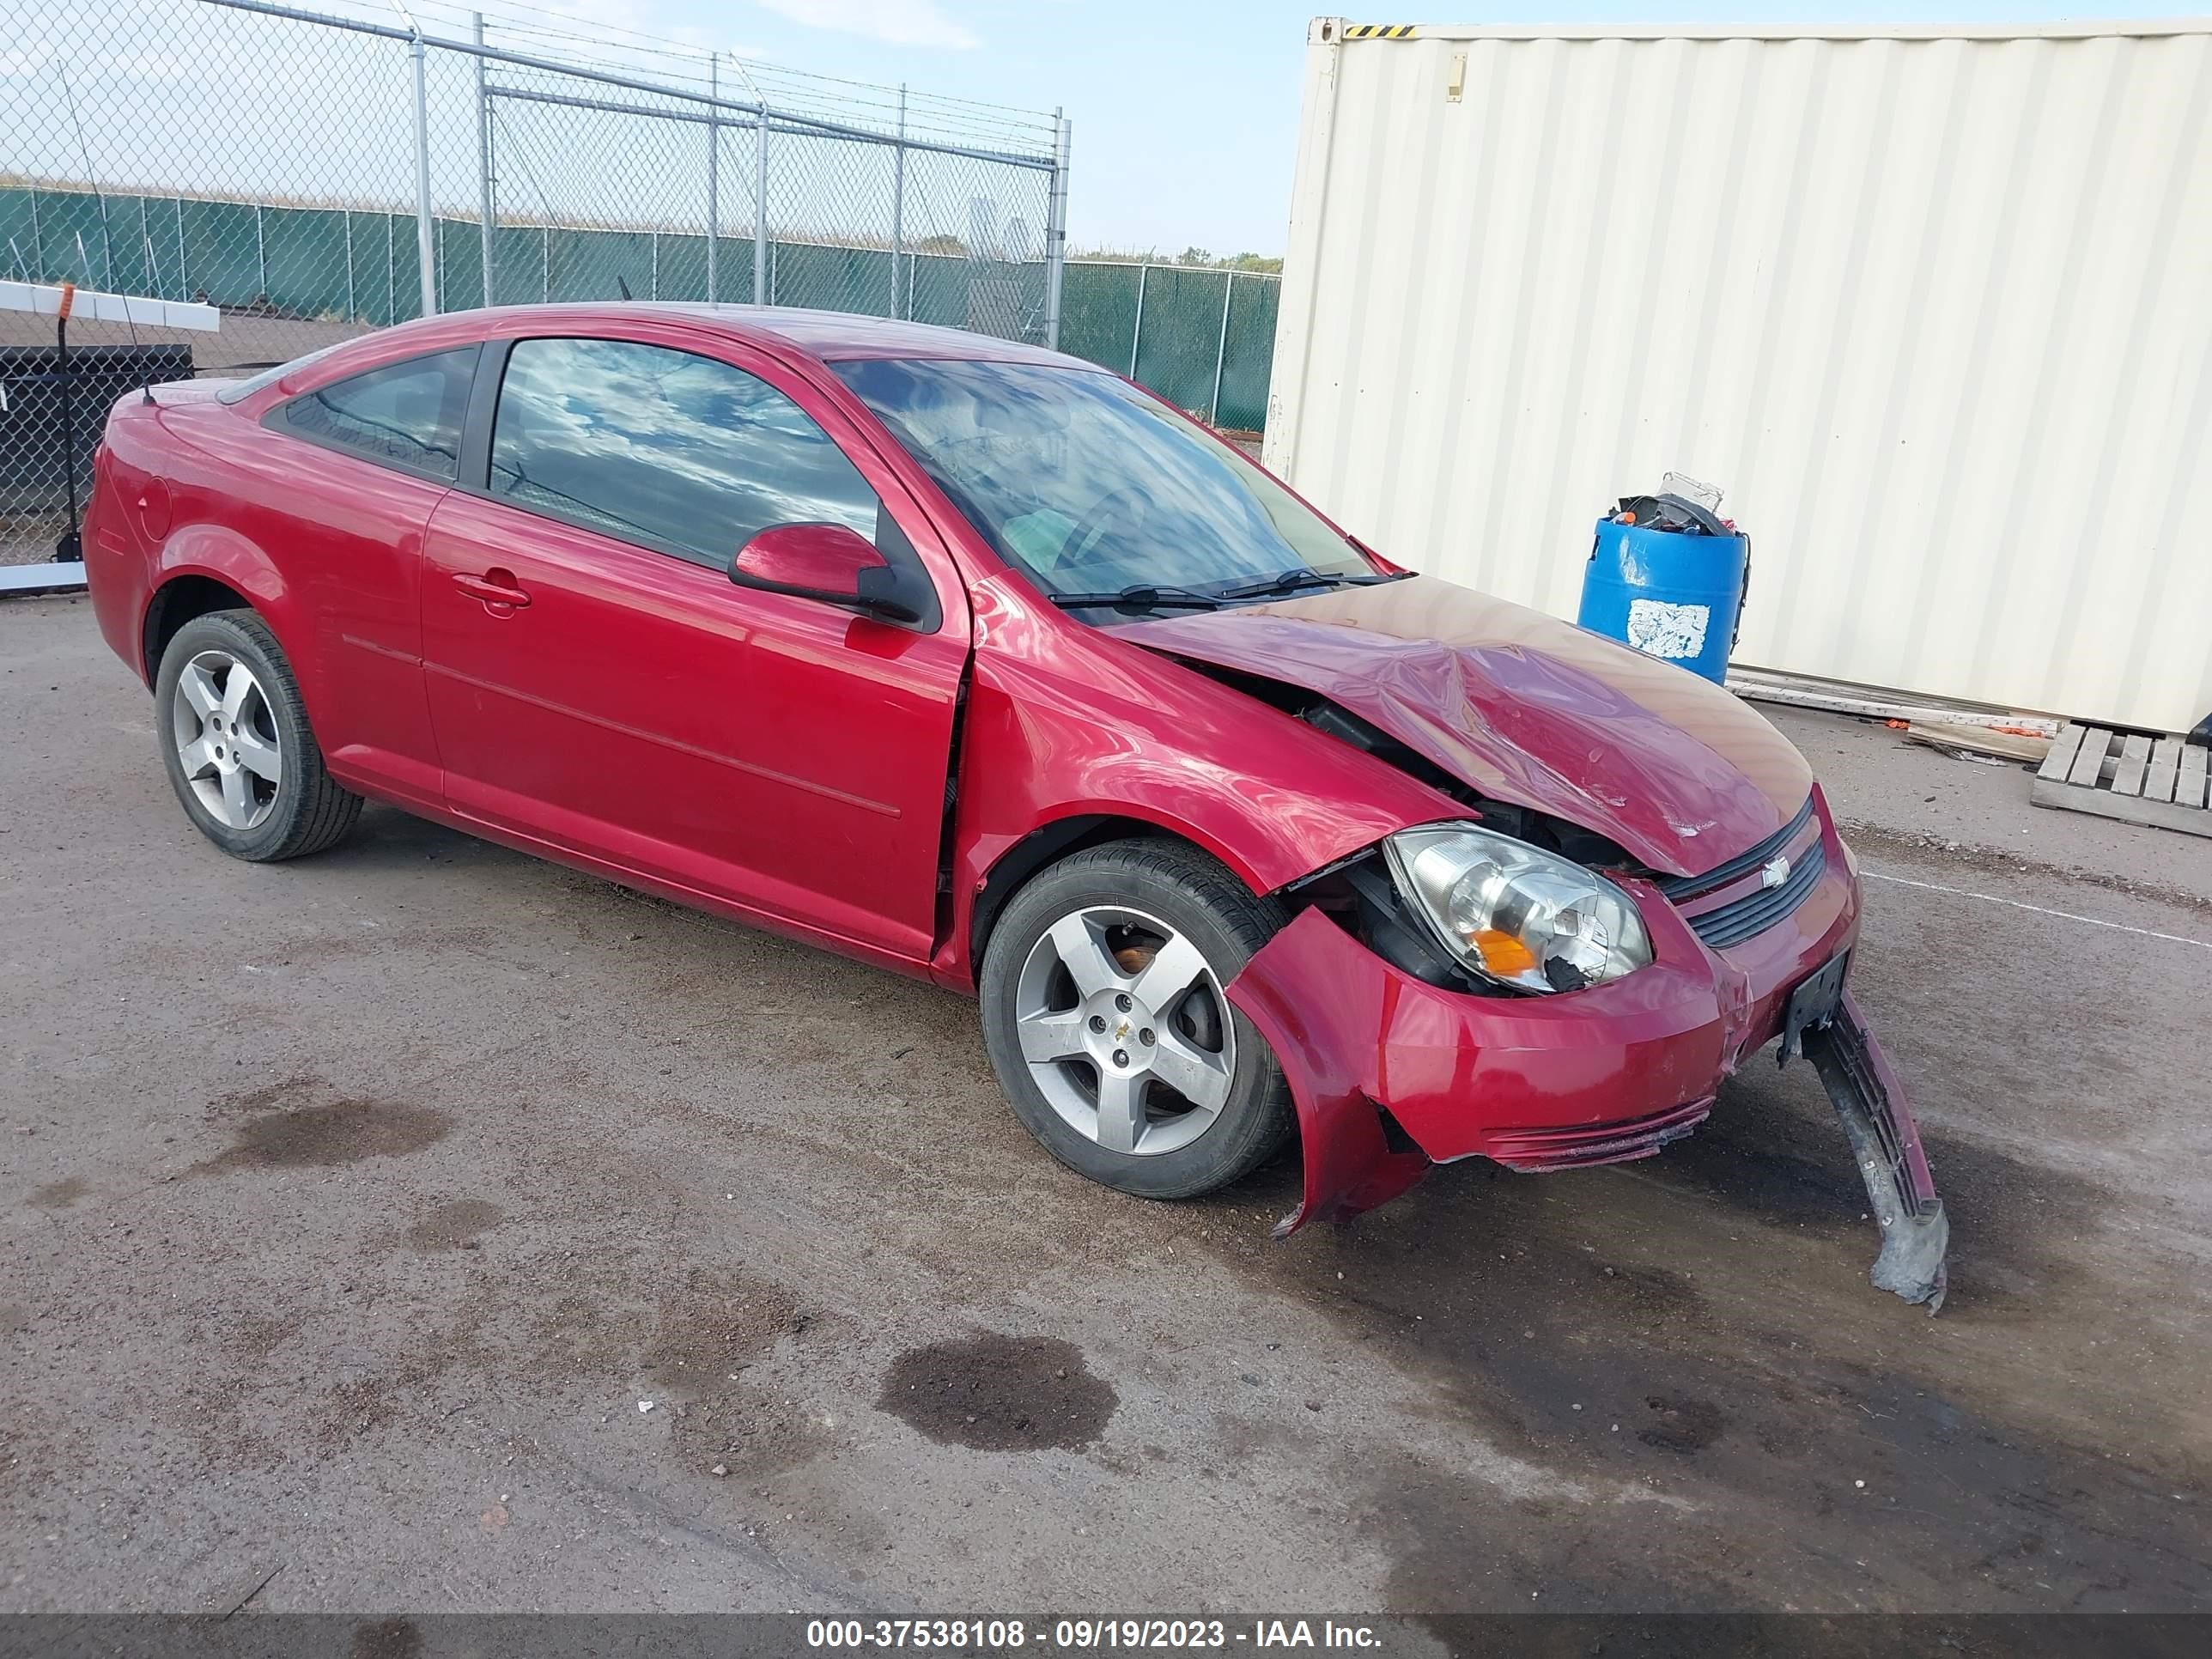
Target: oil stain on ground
[[996, 1393], [337, 1133], [455, 1225], [59, 1194], [386, 1639], [1681, 1424]]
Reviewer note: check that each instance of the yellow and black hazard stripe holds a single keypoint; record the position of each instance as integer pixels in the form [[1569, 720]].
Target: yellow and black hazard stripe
[[1378, 31]]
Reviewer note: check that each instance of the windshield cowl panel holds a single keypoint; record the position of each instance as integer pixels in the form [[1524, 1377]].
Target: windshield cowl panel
[[1094, 490]]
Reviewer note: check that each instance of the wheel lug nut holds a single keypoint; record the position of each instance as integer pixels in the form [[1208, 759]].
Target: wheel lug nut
[[1122, 1003], [1120, 1056], [1145, 1036], [1097, 1022]]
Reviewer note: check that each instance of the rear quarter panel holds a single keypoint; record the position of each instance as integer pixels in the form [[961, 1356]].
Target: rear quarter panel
[[166, 506], [326, 548], [118, 570]]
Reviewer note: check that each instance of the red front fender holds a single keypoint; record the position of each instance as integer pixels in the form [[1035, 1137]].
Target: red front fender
[[1327, 1044]]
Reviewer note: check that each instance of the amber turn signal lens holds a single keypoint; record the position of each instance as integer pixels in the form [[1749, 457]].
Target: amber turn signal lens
[[1503, 954]]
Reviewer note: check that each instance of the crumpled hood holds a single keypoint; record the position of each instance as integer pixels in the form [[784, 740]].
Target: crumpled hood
[[1523, 708]]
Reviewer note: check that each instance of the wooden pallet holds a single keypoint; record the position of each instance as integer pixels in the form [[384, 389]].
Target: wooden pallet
[[2140, 780]]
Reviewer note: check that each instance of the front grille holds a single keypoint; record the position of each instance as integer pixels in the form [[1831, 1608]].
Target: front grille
[[1682, 888], [1761, 908]]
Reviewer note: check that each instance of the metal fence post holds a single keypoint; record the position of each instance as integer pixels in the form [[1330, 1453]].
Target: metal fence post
[[1055, 238], [426, 247], [483, 159], [1137, 332], [1221, 349], [898, 203], [261, 253], [760, 208], [353, 307], [183, 282], [714, 166], [106, 244]]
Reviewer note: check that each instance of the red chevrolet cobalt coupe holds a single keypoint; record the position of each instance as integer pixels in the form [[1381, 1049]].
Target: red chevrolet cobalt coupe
[[980, 663]]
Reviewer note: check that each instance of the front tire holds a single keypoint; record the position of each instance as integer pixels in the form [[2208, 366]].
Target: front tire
[[1104, 1012], [237, 746]]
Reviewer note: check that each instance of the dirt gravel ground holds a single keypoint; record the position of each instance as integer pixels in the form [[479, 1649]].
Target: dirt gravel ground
[[421, 1227]]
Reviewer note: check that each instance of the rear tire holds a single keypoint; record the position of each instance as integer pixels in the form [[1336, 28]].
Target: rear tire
[[237, 746], [1102, 991]]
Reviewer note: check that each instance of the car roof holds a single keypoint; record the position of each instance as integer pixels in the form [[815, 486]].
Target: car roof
[[834, 334], [830, 335]]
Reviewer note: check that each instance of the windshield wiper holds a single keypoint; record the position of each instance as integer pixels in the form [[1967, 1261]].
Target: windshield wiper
[[1290, 581], [1142, 596]]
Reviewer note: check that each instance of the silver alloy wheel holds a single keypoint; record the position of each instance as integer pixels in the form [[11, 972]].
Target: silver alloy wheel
[[225, 738], [1125, 1030]]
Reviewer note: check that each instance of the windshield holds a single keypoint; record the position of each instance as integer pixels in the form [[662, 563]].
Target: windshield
[[1092, 487]]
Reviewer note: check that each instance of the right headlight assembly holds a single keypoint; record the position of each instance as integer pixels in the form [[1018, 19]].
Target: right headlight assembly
[[1515, 914]]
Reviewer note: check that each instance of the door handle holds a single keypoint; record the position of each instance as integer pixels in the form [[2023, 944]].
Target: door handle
[[494, 587]]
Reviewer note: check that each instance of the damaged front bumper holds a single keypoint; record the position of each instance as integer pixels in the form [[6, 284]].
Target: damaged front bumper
[[1391, 1074], [1885, 1140]]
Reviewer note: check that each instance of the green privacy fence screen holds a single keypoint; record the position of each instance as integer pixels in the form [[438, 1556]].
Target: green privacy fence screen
[[1202, 338]]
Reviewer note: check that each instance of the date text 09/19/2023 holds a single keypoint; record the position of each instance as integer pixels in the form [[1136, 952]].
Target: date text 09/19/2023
[[1086, 1635]]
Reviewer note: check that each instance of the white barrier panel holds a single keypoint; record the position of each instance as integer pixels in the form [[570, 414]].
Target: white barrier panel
[[91, 306]]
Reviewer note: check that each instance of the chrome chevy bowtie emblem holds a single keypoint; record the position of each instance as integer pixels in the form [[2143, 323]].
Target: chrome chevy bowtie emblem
[[1774, 873]]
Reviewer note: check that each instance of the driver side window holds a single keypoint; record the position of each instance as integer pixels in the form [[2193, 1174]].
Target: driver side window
[[684, 454]]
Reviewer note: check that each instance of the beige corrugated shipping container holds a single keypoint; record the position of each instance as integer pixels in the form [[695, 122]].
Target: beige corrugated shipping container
[[1934, 307]]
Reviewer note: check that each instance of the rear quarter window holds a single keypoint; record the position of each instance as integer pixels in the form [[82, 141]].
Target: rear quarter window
[[407, 416]]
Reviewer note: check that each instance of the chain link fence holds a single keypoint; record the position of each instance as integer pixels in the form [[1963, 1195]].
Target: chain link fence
[[1203, 338], [314, 176]]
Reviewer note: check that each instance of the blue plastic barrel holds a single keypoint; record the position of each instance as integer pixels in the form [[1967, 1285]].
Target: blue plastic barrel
[[1669, 596]]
